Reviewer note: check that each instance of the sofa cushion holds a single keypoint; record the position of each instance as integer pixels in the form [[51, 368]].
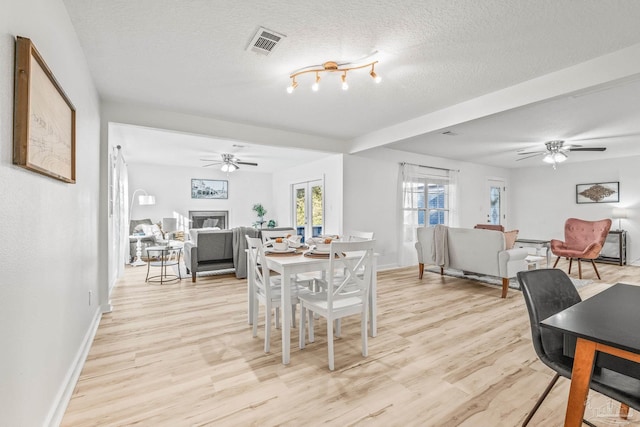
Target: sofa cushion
[[510, 238]]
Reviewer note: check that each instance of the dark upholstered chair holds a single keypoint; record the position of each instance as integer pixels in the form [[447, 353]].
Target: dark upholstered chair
[[547, 292], [582, 240]]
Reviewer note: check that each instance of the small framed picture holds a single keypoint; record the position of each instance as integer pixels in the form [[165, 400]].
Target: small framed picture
[[209, 189], [602, 192]]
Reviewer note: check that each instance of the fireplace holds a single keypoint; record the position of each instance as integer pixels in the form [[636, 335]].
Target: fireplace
[[200, 219]]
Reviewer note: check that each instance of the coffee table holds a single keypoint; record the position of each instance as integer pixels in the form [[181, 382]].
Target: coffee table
[[165, 256], [538, 244]]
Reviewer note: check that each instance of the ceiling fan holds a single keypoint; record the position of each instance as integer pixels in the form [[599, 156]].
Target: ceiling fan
[[556, 151], [229, 163]]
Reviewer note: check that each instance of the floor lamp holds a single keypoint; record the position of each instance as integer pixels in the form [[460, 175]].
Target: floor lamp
[[143, 199]]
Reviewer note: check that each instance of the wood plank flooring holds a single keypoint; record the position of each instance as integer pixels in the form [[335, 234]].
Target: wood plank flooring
[[449, 352]]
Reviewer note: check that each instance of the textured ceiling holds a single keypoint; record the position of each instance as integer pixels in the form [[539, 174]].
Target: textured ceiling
[[190, 56]]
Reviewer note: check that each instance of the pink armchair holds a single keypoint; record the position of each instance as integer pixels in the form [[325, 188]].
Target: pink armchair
[[582, 240]]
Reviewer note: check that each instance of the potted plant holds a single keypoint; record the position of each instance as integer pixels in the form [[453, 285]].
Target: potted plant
[[261, 212]]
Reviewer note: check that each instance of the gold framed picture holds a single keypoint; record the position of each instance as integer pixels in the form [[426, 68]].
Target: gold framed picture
[[44, 127]]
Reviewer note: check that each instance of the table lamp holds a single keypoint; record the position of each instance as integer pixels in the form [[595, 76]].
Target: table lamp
[[619, 214]]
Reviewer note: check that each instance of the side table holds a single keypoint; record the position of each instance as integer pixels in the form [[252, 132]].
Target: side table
[[163, 257], [538, 244], [138, 261]]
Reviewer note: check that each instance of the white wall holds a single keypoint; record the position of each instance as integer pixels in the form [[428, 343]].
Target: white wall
[[172, 188], [328, 169], [51, 258], [543, 198], [371, 195]]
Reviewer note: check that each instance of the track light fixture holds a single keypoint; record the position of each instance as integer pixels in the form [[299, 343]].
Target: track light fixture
[[332, 67]]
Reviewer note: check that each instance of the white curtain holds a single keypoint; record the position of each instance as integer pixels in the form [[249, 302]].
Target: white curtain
[[120, 223], [412, 200]]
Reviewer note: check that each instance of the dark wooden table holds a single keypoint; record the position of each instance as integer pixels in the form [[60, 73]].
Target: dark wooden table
[[607, 322]]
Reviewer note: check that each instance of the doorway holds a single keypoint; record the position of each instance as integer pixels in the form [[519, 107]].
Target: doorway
[[496, 202], [308, 208]]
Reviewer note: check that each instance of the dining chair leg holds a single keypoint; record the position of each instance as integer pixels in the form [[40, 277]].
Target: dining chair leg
[[596, 269], [330, 342], [301, 337], [579, 269], [277, 317], [364, 333], [267, 328], [541, 399], [338, 328], [312, 316], [256, 305]]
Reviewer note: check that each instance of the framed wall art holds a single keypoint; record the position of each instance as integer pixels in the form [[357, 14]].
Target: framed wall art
[[209, 189], [603, 192], [44, 128]]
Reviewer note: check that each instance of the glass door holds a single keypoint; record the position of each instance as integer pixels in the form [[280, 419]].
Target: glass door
[[495, 202], [308, 208]]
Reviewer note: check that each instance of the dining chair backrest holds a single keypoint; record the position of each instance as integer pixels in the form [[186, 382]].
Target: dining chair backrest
[[274, 234], [358, 236], [547, 292], [358, 271], [261, 276]]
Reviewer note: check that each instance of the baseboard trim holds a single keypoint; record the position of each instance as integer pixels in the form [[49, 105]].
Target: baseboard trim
[[56, 413]]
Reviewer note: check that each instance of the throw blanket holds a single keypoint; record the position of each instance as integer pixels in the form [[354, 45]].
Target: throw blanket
[[440, 245], [239, 246]]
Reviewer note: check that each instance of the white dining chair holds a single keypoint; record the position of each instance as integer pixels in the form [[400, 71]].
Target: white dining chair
[[358, 236], [266, 290], [345, 295], [274, 234]]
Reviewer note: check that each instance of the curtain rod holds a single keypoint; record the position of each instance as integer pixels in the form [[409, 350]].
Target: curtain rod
[[430, 167]]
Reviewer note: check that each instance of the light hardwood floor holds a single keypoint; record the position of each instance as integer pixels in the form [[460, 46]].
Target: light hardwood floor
[[449, 352]]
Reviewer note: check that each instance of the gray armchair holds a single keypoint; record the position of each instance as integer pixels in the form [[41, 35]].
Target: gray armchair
[[213, 250], [144, 240]]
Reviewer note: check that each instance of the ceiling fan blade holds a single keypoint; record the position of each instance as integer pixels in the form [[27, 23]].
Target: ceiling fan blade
[[528, 157], [588, 148], [210, 160], [211, 164], [246, 163], [524, 153]]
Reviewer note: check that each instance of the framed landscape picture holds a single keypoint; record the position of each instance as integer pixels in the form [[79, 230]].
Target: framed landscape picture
[[209, 189], [603, 192], [44, 129]]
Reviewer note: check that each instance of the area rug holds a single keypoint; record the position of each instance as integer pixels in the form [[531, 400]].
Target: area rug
[[495, 281], [183, 271]]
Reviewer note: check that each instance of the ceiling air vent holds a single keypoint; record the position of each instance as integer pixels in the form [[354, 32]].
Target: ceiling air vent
[[264, 41]]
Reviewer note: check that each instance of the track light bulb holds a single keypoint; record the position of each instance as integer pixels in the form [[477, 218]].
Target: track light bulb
[[294, 84], [345, 85], [316, 85], [374, 76]]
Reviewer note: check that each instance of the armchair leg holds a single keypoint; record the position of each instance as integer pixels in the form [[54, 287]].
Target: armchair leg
[[570, 262], [505, 286], [596, 269], [421, 268], [624, 411], [193, 276], [556, 263], [579, 269]]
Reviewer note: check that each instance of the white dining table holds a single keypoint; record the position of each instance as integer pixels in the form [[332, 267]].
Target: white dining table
[[290, 265]]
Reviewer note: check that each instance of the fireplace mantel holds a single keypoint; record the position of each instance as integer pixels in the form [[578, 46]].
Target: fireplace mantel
[[218, 219]]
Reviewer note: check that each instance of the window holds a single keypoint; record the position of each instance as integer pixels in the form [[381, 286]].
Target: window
[[429, 200]]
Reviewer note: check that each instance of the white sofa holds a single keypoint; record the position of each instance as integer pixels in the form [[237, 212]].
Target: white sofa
[[470, 250]]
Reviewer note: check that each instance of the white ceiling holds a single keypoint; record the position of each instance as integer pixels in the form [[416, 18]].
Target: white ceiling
[[190, 56]]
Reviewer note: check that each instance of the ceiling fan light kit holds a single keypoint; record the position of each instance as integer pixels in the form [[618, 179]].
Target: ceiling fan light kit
[[556, 152], [332, 67], [229, 163]]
